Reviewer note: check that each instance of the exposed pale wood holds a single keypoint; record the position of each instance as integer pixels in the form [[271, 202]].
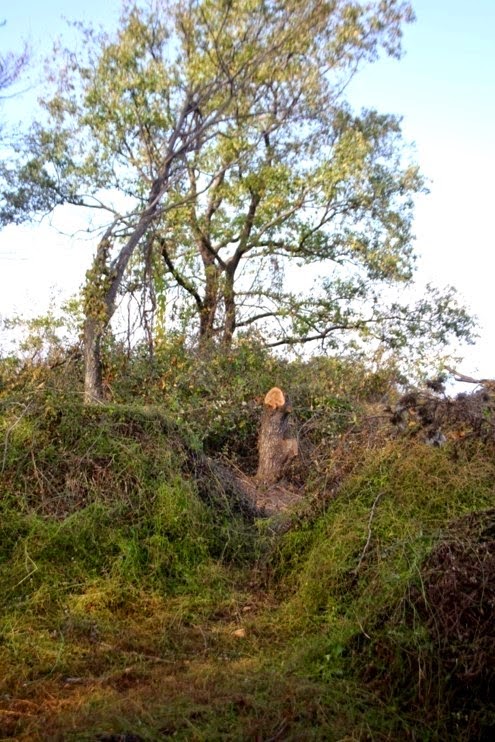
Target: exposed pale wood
[[276, 444], [275, 398]]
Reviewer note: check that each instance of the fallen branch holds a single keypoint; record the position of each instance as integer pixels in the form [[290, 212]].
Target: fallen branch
[[469, 379]]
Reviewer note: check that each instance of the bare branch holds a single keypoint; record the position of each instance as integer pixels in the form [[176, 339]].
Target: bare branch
[[11, 66], [294, 340], [469, 379], [179, 278]]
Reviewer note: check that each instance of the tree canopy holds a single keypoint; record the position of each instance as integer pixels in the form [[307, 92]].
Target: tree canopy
[[213, 140], [12, 64]]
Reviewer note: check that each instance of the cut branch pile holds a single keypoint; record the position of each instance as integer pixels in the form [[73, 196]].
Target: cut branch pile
[[457, 602], [439, 418]]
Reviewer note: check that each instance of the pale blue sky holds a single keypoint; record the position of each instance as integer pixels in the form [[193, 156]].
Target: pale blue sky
[[444, 87]]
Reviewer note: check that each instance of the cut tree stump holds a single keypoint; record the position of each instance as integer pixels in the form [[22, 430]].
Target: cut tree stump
[[276, 445]]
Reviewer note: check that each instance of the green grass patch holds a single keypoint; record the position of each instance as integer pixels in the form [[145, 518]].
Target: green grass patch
[[137, 598]]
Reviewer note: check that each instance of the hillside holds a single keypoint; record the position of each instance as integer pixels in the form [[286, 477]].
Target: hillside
[[144, 594]]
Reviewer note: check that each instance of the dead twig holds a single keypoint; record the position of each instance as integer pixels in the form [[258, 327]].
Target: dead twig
[[370, 520]]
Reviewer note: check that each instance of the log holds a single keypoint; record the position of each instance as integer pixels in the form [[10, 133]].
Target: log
[[488, 383], [276, 444]]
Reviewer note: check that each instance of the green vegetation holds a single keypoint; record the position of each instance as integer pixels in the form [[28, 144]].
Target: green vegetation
[[211, 147], [139, 598], [144, 594]]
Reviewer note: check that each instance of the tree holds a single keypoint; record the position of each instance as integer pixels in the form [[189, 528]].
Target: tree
[[326, 188], [335, 196], [11, 66], [212, 133]]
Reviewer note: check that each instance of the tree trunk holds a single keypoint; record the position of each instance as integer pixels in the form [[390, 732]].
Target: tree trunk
[[104, 279], [230, 309], [208, 311], [276, 446], [93, 383], [98, 310]]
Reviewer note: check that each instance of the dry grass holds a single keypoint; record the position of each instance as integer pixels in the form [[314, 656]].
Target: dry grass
[[161, 667]]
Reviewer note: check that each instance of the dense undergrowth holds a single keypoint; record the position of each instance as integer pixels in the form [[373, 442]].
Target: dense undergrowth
[[139, 600]]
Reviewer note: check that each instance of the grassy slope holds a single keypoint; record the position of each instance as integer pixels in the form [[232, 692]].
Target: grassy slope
[[135, 599]]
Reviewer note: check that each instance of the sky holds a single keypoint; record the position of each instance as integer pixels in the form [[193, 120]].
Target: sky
[[444, 89]]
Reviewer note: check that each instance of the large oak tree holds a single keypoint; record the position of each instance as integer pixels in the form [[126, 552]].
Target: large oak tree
[[213, 138]]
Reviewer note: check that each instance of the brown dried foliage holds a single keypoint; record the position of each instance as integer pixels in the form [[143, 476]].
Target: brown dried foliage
[[458, 604], [467, 416]]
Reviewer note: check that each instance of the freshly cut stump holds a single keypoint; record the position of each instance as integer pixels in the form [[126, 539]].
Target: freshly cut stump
[[276, 445]]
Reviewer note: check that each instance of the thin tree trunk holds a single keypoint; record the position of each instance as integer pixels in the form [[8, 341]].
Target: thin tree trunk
[[102, 284], [231, 267], [104, 279], [209, 304], [230, 309], [276, 445], [93, 382]]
